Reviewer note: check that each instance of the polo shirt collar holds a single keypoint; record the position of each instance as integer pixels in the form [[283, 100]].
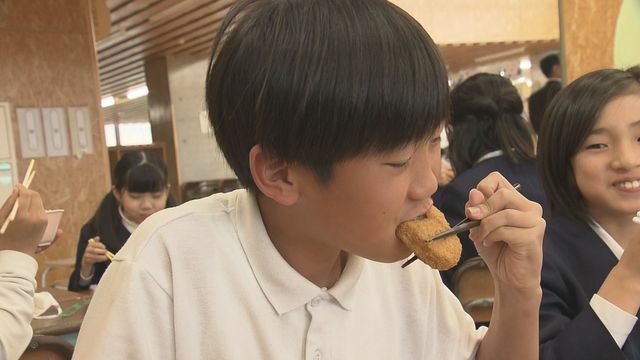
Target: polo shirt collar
[[282, 285]]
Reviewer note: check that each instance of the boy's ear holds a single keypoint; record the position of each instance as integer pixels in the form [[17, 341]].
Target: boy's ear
[[273, 176]]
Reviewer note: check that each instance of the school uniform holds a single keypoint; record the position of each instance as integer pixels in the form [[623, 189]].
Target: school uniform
[[17, 288], [452, 198], [204, 281], [540, 100], [576, 263], [88, 231]]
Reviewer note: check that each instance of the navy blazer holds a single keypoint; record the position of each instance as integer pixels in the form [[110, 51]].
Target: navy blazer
[[576, 263], [87, 232], [452, 197]]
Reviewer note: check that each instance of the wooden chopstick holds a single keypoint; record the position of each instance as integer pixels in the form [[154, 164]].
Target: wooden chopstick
[[26, 181], [109, 254]]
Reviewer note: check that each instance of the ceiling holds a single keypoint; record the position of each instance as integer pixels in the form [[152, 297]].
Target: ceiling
[[147, 29]]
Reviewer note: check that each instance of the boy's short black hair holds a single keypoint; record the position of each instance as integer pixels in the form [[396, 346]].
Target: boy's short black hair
[[547, 63], [316, 82], [567, 123], [486, 115]]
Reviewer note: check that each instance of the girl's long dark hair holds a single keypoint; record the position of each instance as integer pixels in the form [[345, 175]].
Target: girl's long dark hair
[[486, 115], [137, 171], [569, 119]]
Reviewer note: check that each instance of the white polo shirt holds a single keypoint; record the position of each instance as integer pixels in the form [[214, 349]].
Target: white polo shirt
[[204, 281], [17, 287]]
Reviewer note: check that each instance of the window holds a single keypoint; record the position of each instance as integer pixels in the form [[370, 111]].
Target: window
[[110, 135], [138, 133], [127, 123]]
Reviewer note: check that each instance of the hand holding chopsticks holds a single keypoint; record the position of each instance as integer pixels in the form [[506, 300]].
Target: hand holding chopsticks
[[29, 223], [108, 254], [28, 177], [463, 225]]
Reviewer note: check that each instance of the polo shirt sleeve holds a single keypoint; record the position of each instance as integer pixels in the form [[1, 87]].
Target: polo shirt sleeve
[[17, 287], [130, 317]]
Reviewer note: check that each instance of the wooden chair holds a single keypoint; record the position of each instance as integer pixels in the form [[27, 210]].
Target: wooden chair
[[473, 285], [55, 264], [49, 348]]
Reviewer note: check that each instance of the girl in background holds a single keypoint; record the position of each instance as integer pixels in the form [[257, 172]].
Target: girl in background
[[486, 133], [140, 188], [589, 153]]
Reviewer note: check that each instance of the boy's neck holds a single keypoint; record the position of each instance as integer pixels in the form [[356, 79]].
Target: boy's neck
[[317, 262]]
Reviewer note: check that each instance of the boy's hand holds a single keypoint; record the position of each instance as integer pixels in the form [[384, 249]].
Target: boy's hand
[[23, 233], [509, 238]]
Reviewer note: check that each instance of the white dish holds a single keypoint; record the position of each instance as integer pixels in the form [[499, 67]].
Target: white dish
[[53, 217]]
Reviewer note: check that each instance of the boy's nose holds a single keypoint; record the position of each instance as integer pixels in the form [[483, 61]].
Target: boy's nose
[[424, 184]]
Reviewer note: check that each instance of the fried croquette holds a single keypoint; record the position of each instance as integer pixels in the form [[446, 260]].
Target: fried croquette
[[440, 254]]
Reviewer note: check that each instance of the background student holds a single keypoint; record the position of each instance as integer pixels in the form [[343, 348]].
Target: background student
[[329, 112], [140, 188], [18, 269], [589, 150], [540, 99], [486, 133]]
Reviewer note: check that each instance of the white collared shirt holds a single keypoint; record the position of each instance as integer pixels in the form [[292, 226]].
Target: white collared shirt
[[130, 225], [204, 281], [618, 322], [489, 155]]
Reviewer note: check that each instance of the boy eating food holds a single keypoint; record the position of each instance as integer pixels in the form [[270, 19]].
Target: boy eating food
[[329, 112]]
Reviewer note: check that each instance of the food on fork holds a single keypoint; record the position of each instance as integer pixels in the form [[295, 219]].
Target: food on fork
[[441, 254]]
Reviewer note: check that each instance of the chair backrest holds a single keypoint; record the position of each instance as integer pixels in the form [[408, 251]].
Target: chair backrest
[[473, 285], [48, 347]]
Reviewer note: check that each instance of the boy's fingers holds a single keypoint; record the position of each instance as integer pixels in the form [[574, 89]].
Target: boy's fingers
[[492, 183], [507, 219], [503, 198], [8, 204], [475, 197]]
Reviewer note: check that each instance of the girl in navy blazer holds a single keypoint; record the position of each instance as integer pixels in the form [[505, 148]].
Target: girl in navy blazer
[[589, 154], [140, 188]]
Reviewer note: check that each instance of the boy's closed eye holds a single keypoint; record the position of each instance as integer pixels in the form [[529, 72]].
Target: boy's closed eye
[[399, 165]]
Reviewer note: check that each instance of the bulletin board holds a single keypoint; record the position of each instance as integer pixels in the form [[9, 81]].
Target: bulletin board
[[8, 172]]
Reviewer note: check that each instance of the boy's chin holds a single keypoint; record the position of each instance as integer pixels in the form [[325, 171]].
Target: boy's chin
[[390, 257]]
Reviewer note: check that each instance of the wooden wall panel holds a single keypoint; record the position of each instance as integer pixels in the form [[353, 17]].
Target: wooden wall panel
[[588, 30], [473, 21], [48, 59], [162, 118]]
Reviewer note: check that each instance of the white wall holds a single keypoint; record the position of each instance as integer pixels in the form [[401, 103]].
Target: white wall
[[199, 157]]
